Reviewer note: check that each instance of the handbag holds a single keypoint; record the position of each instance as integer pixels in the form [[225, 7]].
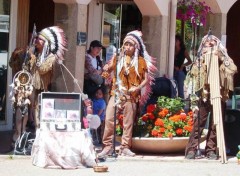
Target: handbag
[[97, 79]]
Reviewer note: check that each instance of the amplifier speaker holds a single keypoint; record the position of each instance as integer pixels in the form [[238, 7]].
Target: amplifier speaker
[[232, 131]]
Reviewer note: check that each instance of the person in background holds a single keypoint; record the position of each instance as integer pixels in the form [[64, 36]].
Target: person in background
[[99, 108], [132, 76], [93, 69], [181, 54]]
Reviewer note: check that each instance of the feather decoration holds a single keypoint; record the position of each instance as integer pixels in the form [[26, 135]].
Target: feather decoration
[[56, 41]]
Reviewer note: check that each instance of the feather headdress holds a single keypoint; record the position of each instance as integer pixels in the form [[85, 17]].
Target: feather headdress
[[55, 42]]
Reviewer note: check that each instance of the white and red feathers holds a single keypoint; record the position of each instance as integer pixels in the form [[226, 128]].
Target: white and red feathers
[[55, 41]]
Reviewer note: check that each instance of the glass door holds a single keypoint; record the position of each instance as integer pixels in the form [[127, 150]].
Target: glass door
[[117, 22], [4, 41], [111, 29]]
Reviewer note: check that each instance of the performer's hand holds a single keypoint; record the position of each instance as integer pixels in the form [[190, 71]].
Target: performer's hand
[[134, 89], [106, 67]]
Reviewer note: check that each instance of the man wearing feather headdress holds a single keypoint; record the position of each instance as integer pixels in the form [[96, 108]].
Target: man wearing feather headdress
[[37, 61], [211, 78], [132, 75]]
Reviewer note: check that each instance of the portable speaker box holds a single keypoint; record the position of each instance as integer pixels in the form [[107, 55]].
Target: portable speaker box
[[232, 131]]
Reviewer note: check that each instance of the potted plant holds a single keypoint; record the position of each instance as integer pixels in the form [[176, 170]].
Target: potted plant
[[166, 119], [165, 127]]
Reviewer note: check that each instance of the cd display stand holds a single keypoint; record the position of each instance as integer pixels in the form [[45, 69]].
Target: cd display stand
[[60, 111]]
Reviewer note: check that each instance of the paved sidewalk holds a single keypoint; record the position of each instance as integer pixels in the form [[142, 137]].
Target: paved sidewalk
[[141, 165]]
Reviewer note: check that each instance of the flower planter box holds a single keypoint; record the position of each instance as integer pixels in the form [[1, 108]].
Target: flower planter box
[[160, 145]]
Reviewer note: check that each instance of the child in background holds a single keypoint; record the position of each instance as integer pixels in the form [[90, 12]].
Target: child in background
[[99, 108]]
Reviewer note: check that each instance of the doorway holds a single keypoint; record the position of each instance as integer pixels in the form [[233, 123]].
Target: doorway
[[233, 38], [4, 38], [116, 24]]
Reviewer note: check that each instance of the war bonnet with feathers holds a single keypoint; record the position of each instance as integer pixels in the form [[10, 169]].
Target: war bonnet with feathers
[[55, 42]]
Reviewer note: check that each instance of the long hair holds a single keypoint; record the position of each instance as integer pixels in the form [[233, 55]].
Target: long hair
[[180, 39]]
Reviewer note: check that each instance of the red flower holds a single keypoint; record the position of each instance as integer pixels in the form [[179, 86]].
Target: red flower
[[151, 108], [151, 116], [183, 116], [145, 117]]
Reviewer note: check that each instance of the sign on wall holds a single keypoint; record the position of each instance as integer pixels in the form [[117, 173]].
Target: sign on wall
[[81, 38]]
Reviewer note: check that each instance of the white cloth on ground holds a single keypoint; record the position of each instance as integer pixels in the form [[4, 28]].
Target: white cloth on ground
[[66, 150]]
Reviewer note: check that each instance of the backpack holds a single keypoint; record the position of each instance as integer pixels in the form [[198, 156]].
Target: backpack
[[24, 143]]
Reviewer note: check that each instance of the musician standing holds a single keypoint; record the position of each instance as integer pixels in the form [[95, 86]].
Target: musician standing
[[211, 78]]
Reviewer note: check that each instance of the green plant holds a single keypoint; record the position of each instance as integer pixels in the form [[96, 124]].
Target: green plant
[[238, 153], [166, 119]]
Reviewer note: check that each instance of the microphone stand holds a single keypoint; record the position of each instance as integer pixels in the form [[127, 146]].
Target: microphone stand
[[114, 154]]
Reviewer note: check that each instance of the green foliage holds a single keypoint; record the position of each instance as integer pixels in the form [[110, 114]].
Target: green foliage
[[174, 105], [238, 153]]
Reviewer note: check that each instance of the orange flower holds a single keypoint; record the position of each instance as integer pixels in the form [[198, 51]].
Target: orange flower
[[170, 135], [154, 133], [190, 113], [163, 112], [179, 131], [161, 130], [188, 128], [169, 127], [175, 118], [159, 122], [166, 110], [190, 122]]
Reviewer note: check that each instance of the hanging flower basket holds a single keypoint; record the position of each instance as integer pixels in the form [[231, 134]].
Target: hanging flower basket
[[193, 11]]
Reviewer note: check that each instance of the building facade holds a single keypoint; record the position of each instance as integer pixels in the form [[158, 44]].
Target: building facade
[[108, 21]]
